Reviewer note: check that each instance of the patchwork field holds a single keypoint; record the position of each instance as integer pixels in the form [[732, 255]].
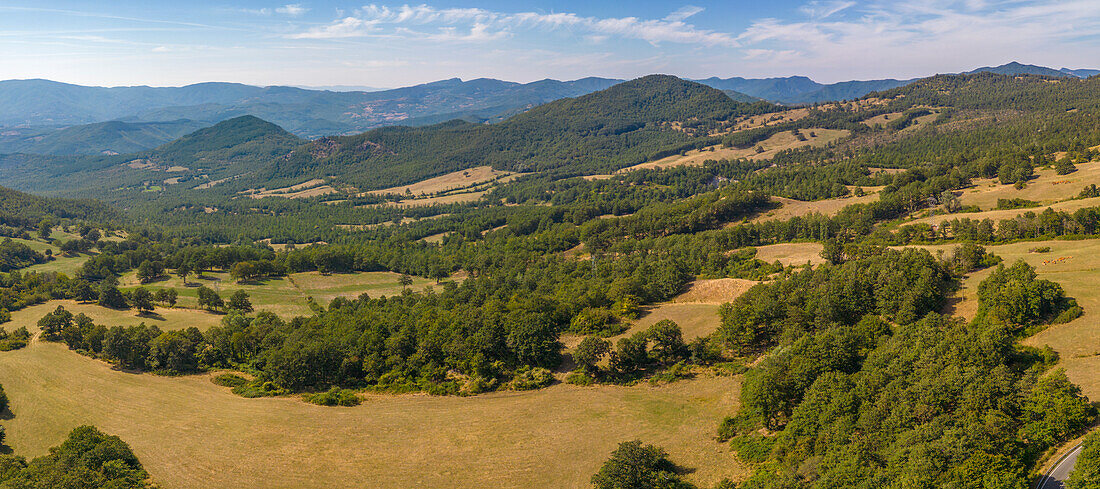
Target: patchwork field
[[454, 180], [191, 433], [311, 188], [773, 145], [286, 296]]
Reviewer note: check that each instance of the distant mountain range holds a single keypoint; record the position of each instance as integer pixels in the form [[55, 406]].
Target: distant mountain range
[[47, 117]]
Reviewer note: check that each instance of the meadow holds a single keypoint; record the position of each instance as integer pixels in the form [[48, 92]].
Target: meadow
[[189, 432], [286, 296]]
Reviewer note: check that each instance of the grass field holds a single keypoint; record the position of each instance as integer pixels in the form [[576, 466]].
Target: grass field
[[165, 318], [998, 215], [454, 180], [286, 296], [190, 433], [1046, 188], [714, 291], [773, 145], [793, 208], [791, 254]]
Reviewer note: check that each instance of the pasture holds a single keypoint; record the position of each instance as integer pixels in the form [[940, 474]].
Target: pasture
[[285, 296], [998, 215], [791, 254], [189, 432], [789, 208], [1047, 187], [164, 318], [455, 180], [771, 146]]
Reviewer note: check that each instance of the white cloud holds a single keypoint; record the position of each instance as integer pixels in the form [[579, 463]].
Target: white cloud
[[902, 38], [346, 27], [490, 25], [161, 49], [683, 13], [293, 9]]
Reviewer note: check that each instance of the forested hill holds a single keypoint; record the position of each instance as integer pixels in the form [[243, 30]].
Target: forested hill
[[21, 210], [624, 125], [989, 90], [98, 138], [245, 136]]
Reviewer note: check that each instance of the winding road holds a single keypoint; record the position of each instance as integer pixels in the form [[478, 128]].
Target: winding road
[[1057, 475]]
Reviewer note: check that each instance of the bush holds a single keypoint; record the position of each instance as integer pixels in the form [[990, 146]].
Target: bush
[[527, 378], [1073, 312], [753, 447], [334, 397], [579, 377], [229, 380]]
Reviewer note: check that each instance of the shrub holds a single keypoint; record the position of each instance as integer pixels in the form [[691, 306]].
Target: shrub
[[527, 378], [229, 380], [1071, 313], [579, 377], [334, 397]]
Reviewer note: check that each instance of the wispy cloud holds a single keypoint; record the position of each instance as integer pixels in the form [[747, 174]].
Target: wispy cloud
[[683, 13], [822, 9], [293, 9], [487, 25]]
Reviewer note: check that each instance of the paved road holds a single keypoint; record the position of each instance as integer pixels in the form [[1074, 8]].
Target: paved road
[[1056, 477]]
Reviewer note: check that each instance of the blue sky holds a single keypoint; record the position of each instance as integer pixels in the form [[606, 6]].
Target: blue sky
[[126, 42]]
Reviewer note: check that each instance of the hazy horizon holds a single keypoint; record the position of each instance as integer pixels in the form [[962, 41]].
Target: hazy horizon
[[333, 43]]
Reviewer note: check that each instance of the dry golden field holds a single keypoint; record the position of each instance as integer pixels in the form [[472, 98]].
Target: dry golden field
[[454, 180], [773, 145], [789, 208], [191, 433], [791, 254], [1046, 188]]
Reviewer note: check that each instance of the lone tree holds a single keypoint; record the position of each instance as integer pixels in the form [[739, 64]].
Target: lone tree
[[405, 281], [183, 271], [45, 228], [148, 271], [637, 466], [142, 300], [209, 300], [239, 302]]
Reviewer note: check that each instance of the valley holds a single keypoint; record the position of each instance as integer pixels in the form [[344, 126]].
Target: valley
[[775, 296]]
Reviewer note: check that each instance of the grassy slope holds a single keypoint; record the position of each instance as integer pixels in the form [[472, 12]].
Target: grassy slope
[[190, 433]]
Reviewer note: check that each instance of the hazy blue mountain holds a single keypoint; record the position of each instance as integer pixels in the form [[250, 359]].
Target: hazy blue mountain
[[307, 113], [1081, 73], [1015, 68], [799, 89], [97, 138]]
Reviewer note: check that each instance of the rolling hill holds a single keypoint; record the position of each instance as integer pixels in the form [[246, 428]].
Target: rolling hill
[[112, 137]]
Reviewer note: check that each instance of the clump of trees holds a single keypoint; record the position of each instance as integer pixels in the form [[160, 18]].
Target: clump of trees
[[87, 458], [1086, 472], [860, 400]]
